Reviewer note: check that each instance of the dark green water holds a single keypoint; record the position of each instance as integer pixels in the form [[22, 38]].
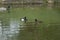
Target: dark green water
[[12, 28]]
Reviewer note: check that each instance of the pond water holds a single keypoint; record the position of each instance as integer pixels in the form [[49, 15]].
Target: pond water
[[12, 28]]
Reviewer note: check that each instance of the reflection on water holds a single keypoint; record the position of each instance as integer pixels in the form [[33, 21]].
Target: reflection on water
[[9, 32]]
